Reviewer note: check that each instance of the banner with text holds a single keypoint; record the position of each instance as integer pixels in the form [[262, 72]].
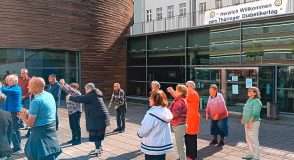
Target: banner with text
[[257, 9]]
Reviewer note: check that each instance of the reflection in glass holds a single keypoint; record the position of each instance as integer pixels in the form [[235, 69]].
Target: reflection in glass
[[11, 60]]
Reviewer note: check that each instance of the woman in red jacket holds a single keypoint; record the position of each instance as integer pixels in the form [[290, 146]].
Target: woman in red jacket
[[179, 111]]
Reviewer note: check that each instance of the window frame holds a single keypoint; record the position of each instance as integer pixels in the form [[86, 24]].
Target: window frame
[[182, 9], [159, 13], [148, 15], [202, 7], [170, 11], [218, 4], [236, 2]]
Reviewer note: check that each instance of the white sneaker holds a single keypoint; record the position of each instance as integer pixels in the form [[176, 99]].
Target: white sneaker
[[247, 157], [95, 153]]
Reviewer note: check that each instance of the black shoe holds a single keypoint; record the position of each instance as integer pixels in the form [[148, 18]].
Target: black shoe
[[121, 131], [117, 129], [213, 142], [220, 144], [76, 142]]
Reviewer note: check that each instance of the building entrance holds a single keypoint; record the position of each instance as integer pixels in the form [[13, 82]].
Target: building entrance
[[233, 83]]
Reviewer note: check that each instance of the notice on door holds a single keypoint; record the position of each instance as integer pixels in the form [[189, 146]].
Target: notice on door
[[248, 82], [235, 78], [235, 89]]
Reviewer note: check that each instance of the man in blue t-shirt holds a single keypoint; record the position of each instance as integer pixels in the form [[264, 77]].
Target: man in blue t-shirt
[[43, 142]]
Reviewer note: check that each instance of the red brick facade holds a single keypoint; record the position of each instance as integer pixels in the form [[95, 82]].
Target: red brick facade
[[97, 28]]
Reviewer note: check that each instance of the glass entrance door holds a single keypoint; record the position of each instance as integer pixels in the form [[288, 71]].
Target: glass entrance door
[[285, 91], [204, 78], [237, 83], [233, 83]]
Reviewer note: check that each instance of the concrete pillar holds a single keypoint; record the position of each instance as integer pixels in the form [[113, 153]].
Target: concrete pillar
[[224, 83]]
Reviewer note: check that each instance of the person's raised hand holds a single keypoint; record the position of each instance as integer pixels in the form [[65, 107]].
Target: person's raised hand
[[62, 81], [67, 97], [170, 90]]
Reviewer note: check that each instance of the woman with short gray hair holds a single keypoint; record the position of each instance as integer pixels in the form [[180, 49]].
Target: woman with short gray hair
[[155, 86], [97, 115], [190, 84], [192, 120]]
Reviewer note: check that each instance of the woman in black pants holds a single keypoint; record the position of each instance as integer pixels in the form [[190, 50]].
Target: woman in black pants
[[97, 115]]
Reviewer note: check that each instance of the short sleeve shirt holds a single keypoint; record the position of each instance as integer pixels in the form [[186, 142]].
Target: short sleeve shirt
[[43, 108]]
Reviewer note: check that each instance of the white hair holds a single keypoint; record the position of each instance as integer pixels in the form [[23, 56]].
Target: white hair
[[25, 70], [156, 83], [117, 84], [90, 86], [13, 77], [190, 83]]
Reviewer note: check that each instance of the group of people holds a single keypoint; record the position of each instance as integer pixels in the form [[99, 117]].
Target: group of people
[[30, 102], [18, 95], [183, 116]]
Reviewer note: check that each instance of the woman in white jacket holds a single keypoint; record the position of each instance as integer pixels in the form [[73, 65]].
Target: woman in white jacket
[[155, 130]]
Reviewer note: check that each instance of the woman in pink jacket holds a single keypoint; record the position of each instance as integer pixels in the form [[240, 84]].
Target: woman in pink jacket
[[216, 108]]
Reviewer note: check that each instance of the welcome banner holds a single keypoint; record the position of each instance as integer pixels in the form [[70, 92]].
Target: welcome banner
[[257, 9]]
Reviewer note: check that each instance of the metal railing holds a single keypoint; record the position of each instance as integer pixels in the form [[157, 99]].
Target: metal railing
[[189, 20], [172, 23]]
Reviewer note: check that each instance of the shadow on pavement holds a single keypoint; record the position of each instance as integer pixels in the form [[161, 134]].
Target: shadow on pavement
[[80, 157], [208, 151], [130, 155]]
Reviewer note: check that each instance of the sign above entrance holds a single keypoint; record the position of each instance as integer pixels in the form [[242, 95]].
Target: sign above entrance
[[256, 9]]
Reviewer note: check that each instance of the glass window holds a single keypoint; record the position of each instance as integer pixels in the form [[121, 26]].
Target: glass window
[[137, 73], [11, 61], [218, 4], [136, 89], [202, 7], [159, 13], [182, 9], [49, 58], [42, 63], [170, 11], [70, 75], [286, 88], [136, 58], [167, 57], [166, 74], [149, 15], [236, 2]]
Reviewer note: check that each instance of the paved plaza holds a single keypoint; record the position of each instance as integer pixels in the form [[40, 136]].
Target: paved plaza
[[276, 140]]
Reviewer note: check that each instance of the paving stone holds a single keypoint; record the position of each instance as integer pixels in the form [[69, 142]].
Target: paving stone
[[124, 146]]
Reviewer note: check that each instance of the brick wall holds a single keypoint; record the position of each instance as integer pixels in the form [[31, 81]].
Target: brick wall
[[97, 28]]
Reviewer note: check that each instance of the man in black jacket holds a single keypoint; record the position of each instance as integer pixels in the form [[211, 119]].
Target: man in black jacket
[[5, 134]]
